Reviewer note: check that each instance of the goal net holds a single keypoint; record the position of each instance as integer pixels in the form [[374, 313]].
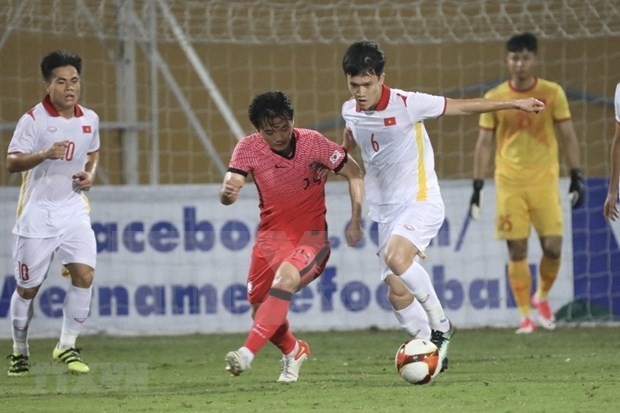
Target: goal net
[[174, 107]]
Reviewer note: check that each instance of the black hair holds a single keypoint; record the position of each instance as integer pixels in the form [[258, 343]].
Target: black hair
[[59, 58], [521, 42], [269, 106], [363, 58]]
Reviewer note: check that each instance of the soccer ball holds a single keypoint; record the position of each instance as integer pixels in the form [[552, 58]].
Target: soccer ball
[[417, 361]]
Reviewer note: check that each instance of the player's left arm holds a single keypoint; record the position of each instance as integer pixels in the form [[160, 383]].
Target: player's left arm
[[348, 143], [566, 132], [85, 179], [354, 176], [233, 182]]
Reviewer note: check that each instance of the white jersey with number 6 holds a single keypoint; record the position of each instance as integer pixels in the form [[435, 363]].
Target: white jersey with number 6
[[48, 202], [396, 149]]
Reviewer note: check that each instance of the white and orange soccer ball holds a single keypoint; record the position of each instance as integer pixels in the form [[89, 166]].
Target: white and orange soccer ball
[[417, 361]]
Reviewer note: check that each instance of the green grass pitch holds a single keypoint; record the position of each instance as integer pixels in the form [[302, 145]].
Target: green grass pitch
[[491, 370]]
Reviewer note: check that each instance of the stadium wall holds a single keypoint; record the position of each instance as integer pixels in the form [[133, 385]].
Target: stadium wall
[[180, 267]]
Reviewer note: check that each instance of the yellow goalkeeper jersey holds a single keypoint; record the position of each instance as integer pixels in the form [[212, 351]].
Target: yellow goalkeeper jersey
[[526, 144]]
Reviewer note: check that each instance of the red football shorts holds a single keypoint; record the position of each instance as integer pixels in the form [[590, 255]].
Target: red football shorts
[[309, 256]]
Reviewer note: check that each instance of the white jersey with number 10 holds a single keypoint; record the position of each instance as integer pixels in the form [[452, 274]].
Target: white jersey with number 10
[[48, 202]]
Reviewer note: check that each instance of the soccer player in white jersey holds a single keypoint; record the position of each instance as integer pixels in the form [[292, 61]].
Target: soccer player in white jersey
[[401, 184], [55, 146], [610, 208]]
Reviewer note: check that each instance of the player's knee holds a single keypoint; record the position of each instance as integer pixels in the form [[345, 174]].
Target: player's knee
[[27, 293], [553, 253], [398, 262], [82, 276], [552, 247], [517, 250], [287, 278]]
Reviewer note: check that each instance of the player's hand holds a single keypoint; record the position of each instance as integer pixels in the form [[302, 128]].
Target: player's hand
[[321, 171], [57, 150], [610, 208], [530, 105], [354, 232], [231, 189], [83, 181], [576, 191], [476, 199]]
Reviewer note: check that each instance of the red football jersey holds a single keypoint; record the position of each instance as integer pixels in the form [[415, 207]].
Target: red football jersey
[[292, 198]]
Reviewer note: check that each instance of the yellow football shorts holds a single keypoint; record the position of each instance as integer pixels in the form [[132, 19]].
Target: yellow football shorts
[[520, 208]]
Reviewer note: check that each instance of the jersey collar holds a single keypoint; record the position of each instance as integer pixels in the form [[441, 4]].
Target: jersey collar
[[291, 155], [384, 99], [514, 89], [49, 107]]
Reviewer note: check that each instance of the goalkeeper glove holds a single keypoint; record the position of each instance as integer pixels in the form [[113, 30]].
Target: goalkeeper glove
[[576, 191], [476, 199]]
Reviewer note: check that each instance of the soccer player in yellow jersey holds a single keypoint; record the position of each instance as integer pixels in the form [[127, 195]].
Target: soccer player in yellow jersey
[[527, 175]]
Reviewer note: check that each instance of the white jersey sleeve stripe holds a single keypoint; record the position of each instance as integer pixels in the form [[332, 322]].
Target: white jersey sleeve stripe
[[22, 192]]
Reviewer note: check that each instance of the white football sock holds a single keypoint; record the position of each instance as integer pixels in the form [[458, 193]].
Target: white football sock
[[74, 312], [293, 353], [413, 320], [21, 314], [419, 283], [246, 354]]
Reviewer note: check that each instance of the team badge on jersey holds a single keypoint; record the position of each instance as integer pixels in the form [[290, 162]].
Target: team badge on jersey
[[389, 121], [86, 129]]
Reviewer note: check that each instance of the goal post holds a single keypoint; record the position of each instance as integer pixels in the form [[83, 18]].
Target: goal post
[[215, 55]]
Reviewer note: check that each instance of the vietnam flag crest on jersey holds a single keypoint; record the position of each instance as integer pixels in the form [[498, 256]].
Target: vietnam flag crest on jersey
[[86, 129], [389, 121]]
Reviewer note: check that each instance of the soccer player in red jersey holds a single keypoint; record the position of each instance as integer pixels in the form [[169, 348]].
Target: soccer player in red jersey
[[292, 246]]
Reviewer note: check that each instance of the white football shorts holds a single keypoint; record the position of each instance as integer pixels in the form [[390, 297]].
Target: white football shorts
[[32, 257], [419, 222]]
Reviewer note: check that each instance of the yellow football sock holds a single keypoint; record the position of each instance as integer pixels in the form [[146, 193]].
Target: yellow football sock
[[548, 272], [520, 278]]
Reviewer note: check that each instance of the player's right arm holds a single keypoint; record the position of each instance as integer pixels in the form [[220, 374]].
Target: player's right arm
[[348, 142], [482, 157], [233, 182], [353, 173], [610, 208], [19, 162]]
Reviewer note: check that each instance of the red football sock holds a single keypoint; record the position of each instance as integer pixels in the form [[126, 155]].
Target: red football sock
[[268, 319], [283, 338]]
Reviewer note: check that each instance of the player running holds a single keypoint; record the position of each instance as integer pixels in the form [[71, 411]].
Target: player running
[[292, 246], [56, 148], [401, 185]]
